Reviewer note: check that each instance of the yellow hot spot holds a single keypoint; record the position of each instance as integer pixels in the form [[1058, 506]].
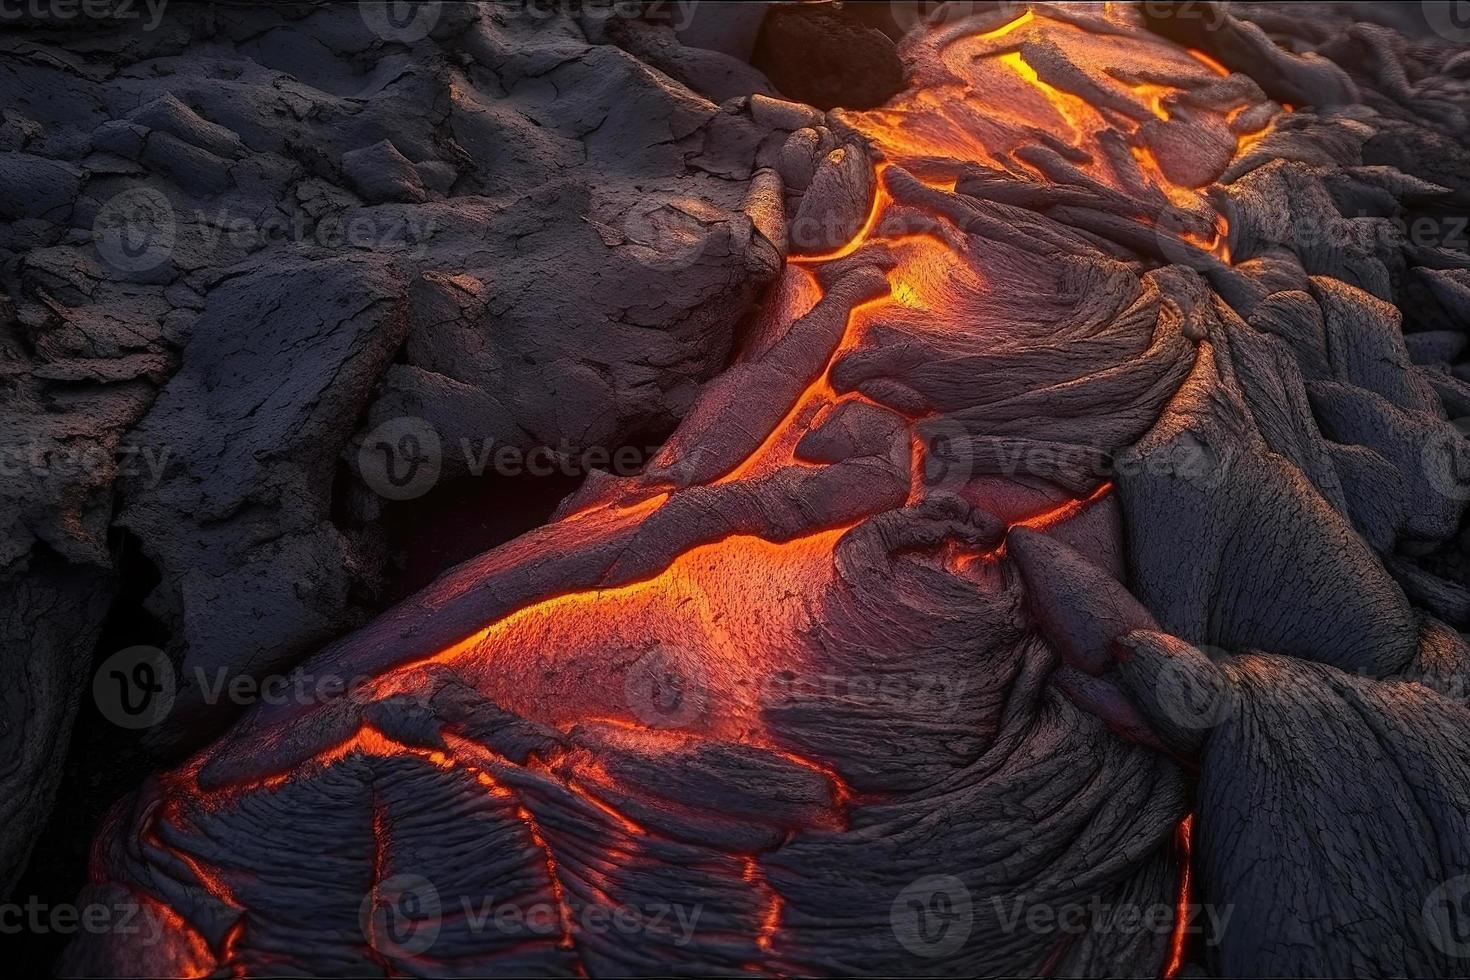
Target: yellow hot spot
[[1063, 102], [905, 294], [1007, 28], [1153, 96]]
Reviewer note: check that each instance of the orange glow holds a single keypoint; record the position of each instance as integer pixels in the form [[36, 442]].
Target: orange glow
[[997, 102], [1183, 846], [1007, 28], [721, 613], [857, 241], [1154, 96], [1070, 108], [1209, 62], [712, 610], [187, 948], [1066, 511], [1050, 517], [771, 918]]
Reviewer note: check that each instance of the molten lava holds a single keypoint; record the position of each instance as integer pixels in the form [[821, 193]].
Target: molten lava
[[1033, 93]]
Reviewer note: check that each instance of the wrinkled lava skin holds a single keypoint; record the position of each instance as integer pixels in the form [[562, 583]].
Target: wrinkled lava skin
[[889, 605]]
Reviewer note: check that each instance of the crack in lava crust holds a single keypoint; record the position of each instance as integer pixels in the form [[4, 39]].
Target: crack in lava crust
[[663, 693]]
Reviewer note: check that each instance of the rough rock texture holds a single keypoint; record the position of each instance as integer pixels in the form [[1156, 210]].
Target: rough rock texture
[[1076, 531], [827, 58], [236, 243]]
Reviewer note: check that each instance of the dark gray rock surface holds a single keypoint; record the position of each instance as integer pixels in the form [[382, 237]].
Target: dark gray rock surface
[[1051, 527], [237, 243]]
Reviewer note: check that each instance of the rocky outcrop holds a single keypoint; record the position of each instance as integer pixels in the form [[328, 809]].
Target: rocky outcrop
[[1061, 558], [240, 241]]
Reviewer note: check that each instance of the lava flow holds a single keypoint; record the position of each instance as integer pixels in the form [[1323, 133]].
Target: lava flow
[[722, 566]]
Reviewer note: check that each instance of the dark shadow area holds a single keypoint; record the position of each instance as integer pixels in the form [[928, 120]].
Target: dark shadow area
[[103, 762], [462, 518], [828, 56]]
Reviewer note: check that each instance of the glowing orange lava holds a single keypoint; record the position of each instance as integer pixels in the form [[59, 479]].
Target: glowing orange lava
[[994, 97], [1183, 844], [723, 612]]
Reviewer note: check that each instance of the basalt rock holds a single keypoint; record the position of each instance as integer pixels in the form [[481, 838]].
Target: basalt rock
[[223, 272], [1059, 560]]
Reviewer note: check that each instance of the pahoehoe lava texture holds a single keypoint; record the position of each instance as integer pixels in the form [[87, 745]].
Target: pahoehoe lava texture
[[237, 245], [1066, 509]]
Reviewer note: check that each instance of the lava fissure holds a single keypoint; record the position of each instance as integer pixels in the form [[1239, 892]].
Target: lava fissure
[[862, 612]]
